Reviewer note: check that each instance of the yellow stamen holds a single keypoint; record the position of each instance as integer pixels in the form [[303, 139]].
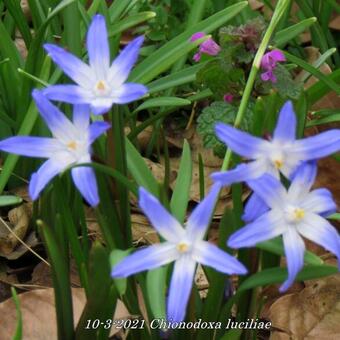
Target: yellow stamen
[[100, 85], [278, 163], [182, 247], [72, 145], [299, 213]]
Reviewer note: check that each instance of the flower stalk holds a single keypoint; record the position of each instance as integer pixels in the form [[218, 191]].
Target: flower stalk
[[279, 10]]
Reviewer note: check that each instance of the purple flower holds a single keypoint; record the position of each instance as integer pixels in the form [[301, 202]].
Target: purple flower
[[293, 213], [184, 246], [268, 63], [283, 153], [209, 46], [70, 145], [228, 98], [197, 35], [98, 84]]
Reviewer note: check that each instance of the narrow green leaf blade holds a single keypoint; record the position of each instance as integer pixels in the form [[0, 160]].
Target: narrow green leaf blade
[[277, 275], [156, 286], [139, 170], [161, 102], [18, 331], [284, 36], [180, 196]]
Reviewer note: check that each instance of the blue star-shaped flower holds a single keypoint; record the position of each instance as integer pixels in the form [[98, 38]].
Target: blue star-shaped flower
[[99, 84], [293, 212], [282, 154], [70, 145], [184, 246]]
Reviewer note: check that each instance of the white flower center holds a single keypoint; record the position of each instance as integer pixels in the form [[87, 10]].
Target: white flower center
[[278, 163], [183, 247], [101, 88], [77, 148], [72, 145], [294, 214]]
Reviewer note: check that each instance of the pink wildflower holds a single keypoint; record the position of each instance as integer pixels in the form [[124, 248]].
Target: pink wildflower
[[209, 46], [269, 62]]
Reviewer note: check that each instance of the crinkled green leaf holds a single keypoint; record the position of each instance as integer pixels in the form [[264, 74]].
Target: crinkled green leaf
[[219, 112], [285, 84]]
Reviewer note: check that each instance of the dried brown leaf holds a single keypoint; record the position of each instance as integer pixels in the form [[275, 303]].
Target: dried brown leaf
[[18, 222], [38, 314], [311, 314]]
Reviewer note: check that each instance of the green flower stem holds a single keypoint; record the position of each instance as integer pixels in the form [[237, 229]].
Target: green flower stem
[[279, 10]]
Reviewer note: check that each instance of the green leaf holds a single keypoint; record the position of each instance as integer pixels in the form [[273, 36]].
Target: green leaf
[[61, 281], [312, 70], [332, 118], [130, 21], [169, 53], [180, 196], [102, 298], [20, 20], [6, 200], [285, 84], [161, 102], [335, 216], [278, 275], [232, 334], [287, 34], [25, 129], [156, 288], [220, 79], [117, 9], [320, 61], [184, 76], [139, 170], [320, 89], [115, 257], [219, 112], [18, 331], [276, 246]]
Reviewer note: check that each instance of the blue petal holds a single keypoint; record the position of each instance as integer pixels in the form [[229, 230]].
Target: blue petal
[[97, 129], [269, 189], [294, 251], [57, 122], [128, 93], [85, 181], [71, 65], [320, 201], [98, 47], [320, 231], [81, 116], [30, 146], [315, 147], [286, 125], [264, 228], [145, 259], [210, 255], [159, 217], [180, 288], [122, 65], [199, 219], [72, 94], [302, 180], [243, 172], [254, 208], [40, 179], [240, 142]]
